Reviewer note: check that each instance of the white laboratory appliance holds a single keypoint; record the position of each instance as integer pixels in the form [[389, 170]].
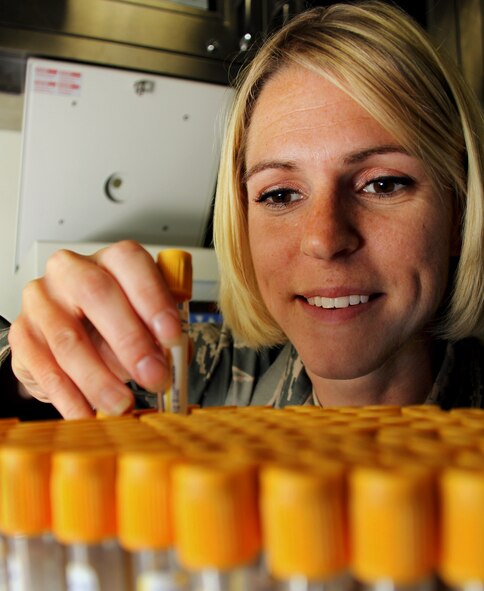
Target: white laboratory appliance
[[110, 154]]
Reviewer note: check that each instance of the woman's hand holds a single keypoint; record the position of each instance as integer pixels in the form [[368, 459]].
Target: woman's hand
[[91, 324]]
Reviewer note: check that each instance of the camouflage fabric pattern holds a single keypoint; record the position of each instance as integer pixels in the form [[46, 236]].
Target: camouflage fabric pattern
[[225, 372], [4, 348]]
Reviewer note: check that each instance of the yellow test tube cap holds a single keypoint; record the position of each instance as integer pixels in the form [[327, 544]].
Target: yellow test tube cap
[[83, 493], [176, 267], [8, 423], [143, 497], [393, 523], [216, 518], [304, 520], [462, 499], [25, 489]]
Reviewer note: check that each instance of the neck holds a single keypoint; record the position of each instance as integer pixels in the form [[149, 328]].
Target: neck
[[406, 378]]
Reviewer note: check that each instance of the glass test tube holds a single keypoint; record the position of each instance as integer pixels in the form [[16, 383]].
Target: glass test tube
[[84, 519], [216, 524], [144, 511], [176, 267], [462, 496], [393, 527], [305, 526], [35, 560]]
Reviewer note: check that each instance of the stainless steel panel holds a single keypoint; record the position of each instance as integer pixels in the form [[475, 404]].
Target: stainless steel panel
[[113, 54], [151, 35]]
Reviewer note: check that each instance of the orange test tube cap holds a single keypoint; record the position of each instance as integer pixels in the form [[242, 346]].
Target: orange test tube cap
[[83, 493], [143, 496], [176, 267], [462, 496], [304, 520], [25, 490], [393, 523], [216, 518]]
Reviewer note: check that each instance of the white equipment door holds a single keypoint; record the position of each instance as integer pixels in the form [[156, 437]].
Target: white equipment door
[[111, 154]]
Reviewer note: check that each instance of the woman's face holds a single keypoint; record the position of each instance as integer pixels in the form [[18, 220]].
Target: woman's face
[[349, 238]]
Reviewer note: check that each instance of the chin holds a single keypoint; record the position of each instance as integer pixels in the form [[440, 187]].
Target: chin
[[348, 364], [339, 373]]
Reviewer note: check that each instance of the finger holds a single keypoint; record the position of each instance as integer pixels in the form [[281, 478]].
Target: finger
[[74, 354], [44, 379], [107, 354], [150, 296], [89, 291]]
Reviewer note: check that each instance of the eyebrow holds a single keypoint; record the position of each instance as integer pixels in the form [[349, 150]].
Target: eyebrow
[[362, 155], [352, 158], [268, 164]]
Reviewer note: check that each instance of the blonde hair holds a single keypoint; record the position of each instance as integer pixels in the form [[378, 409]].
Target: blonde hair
[[384, 61]]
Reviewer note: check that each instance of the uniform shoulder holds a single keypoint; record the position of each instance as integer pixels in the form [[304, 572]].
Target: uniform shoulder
[[4, 346]]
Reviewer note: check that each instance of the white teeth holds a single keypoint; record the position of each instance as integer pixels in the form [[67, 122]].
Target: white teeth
[[354, 300], [343, 302], [340, 302]]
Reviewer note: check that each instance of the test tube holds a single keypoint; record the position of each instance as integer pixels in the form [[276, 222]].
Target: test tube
[[35, 560], [176, 267], [393, 527], [462, 496], [3, 547], [145, 530], [84, 519], [305, 526], [216, 524]]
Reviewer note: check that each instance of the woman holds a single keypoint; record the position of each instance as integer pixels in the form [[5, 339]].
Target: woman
[[349, 226]]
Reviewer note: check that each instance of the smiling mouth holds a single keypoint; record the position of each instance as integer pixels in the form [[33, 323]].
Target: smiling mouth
[[338, 302]]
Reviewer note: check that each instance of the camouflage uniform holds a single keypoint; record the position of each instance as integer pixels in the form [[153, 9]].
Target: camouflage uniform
[[224, 372], [4, 350]]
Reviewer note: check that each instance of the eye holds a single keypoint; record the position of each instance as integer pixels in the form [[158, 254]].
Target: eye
[[279, 197], [387, 185]]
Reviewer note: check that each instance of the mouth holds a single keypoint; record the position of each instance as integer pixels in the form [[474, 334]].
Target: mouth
[[338, 302]]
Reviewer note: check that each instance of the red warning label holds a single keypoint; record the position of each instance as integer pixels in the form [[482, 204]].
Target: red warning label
[[57, 81]]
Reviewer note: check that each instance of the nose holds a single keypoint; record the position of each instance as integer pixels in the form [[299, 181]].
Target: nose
[[330, 229]]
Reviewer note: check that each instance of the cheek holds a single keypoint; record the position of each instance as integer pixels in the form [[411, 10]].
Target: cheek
[[271, 250], [437, 260], [432, 242], [422, 252], [257, 247]]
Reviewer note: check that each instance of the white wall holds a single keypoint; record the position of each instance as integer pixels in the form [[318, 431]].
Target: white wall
[[9, 177]]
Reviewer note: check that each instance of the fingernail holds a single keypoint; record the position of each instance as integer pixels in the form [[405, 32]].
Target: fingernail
[[115, 403], [151, 372], [167, 328]]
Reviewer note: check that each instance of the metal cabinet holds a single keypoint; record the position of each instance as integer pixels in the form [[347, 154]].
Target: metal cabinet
[[195, 39]]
